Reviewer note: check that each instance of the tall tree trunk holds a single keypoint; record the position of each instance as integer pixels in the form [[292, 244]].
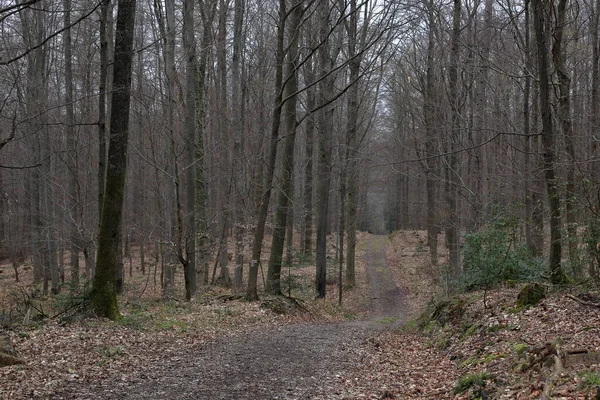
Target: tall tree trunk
[[537, 190], [252, 292], [238, 165], [167, 30], [342, 227], [223, 128], [287, 159], [564, 114], [481, 115], [73, 203], [289, 230], [431, 165], [594, 117], [33, 32], [103, 98], [541, 25], [452, 173], [103, 297], [189, 44], [529, 205], [307, 234], [352, 141], [48, 196], [325, 121], [207, 12]]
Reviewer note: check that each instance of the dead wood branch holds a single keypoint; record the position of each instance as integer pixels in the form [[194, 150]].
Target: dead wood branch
[[584, 302]]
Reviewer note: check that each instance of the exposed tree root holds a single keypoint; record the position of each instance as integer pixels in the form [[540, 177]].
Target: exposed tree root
[[558, 369], [584, 302]]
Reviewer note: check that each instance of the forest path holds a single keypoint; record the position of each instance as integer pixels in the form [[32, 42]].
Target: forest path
[[301, 361], [387, 299]]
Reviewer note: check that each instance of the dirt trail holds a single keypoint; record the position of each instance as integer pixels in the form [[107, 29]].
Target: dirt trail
[[299, 361], [387, 299]]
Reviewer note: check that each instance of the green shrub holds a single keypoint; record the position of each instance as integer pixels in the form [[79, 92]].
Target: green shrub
[[589, 379], [476, 382], [442, 312], [496, 254], [592, 238]]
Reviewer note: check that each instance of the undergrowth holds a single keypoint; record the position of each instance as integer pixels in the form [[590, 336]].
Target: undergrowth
[[498, 253]]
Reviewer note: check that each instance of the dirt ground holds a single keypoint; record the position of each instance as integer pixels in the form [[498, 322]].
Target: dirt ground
[[222, 347], [297, 361]]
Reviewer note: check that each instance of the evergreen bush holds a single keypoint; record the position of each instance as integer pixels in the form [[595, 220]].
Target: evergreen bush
[[496, 254]]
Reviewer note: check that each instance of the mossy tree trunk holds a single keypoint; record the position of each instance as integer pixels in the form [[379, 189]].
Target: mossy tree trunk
[[103, 297]]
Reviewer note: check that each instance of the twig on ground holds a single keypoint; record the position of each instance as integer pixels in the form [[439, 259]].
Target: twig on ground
[[584, 302]]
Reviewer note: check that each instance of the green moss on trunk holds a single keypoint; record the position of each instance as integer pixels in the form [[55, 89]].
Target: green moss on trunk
[[531, 294]]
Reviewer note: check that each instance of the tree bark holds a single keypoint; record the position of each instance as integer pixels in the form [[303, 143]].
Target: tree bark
[[481, 115], [252, 292], [452, 173], [224, 180], [208, 12], [325, 122], [189, 44], [307, 234], [287, 160], [595, 93], [238, 166], [529, 164], [564, 115], [351, 154], [103, 296], [540, 24], [73, 203], [103, 99], [431, 165]]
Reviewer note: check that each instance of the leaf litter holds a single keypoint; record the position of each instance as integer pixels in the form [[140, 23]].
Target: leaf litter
[[88, 358]]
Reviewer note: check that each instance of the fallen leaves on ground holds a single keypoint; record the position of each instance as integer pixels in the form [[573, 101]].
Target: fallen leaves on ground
[[402, 364]]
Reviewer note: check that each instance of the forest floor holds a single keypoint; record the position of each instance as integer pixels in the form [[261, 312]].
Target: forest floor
[[221, 347]]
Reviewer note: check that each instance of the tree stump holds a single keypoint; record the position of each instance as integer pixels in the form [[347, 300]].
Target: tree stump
[[530, 295]]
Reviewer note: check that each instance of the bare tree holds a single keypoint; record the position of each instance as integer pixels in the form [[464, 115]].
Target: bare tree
[[325, 132], [189, 42], [356, 46], [74, 212], [252, 292], [431, 164], [284, 195], [453, 219], [103, 299], [238, 165], [564, 115], [540, 19]]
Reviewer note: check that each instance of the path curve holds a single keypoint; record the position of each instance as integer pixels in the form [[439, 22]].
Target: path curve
[[300, 361]]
